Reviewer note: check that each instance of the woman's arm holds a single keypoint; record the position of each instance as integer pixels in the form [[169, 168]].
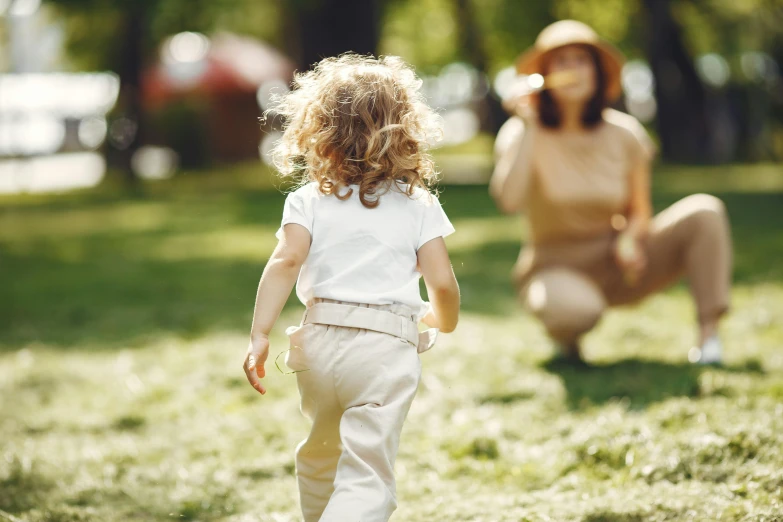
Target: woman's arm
[[640, 206], [628, 251], [511, 179]]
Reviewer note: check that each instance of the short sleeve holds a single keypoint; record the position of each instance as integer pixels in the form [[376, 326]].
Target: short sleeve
[[435, 223], [641, 145], [643, 142], [298, 210]]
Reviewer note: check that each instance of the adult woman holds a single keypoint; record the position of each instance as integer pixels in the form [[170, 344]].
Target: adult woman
[[580, 172]]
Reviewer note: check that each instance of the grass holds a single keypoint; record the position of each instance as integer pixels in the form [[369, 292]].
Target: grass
[[123, 322]]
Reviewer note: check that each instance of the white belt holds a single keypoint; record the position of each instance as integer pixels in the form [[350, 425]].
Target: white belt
[[371, 319]]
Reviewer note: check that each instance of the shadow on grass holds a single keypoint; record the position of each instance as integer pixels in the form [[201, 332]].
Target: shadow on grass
[[638, 382]]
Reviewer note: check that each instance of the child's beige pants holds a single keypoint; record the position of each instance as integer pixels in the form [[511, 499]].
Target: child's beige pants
[[357, 388]]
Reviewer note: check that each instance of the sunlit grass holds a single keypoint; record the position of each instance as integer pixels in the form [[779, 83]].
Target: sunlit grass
[[123, 321]]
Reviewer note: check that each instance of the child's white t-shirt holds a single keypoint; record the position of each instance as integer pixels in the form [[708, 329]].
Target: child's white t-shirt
[[360, 254]]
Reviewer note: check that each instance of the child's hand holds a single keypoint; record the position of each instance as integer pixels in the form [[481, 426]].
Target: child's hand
[[257, 353], [429, 319]]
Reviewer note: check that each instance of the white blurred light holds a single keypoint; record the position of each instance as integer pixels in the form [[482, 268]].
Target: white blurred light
[[21, 8], [643, 109], [713, 69], [525, 84], [62, 94], [638, 80], [184, 58], [459, 126], [188, 47], [122, 133], [760, 67], [267, 144], [31, 134], [4, 6], [269, 91], [639, 85], [537, 295], [457, 83], [504, 81], [154, 162], [535, 81], [56, 173], [753, 66], [92, 132]]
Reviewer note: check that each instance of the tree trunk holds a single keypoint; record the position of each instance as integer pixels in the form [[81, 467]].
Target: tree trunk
[[128, 124], [682, 120], [471, 44], [470, 35], [331, 27]]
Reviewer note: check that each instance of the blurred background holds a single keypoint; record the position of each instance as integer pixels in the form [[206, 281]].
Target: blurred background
[[155, 86], [137, 210]]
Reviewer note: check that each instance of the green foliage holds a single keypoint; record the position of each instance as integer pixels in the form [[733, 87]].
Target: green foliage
[[509, 27], [729, 27], [92, 25], [427, 32], [424, 32]]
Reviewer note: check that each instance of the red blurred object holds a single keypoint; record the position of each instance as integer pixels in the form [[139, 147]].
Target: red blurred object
[[226, 78], [232, 64]]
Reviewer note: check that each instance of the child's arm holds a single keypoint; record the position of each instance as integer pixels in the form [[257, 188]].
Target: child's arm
[[442, 286], [274, 288]]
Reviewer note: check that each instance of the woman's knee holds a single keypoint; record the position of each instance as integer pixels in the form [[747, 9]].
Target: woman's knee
[[566, 302], [706, 210]]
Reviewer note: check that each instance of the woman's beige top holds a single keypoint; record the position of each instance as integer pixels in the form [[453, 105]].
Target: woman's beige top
[[578, 180]]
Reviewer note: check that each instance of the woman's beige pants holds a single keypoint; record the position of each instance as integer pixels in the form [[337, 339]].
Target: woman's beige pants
[[569, 285], [356, 386]]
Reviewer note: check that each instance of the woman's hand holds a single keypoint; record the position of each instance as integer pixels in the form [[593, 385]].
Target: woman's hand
[[630, 257], [519, 105], [257, 353]]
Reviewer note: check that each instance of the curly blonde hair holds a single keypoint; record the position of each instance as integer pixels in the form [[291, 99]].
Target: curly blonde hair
[[357, 120]]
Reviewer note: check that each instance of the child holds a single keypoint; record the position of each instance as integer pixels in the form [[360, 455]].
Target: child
[[358, 235]]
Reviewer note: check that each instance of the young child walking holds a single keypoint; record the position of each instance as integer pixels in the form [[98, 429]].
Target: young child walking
[[355, 238]]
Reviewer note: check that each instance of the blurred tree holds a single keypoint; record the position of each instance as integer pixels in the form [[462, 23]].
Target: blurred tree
[[424, 32], [747, 33], [321, 28], [123, 36], [470, 41], [104, 22], [682, 119], [505, 28]]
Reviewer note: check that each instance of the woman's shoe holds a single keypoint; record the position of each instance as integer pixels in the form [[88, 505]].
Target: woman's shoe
[[710, 352]]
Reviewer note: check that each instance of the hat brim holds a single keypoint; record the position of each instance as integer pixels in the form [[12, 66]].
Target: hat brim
[[612, 60]]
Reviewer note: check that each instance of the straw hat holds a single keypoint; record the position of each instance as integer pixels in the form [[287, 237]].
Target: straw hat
[[569, 32]]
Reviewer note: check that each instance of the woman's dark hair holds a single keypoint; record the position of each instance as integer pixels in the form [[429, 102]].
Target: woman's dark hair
[[548, 114]]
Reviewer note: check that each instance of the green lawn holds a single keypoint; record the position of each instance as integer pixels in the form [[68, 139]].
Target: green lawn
[[123, 323]]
